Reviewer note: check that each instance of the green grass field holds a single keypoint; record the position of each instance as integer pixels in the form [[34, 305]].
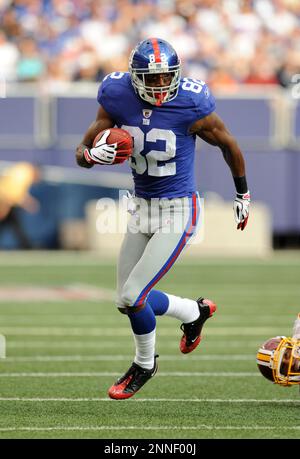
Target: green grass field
[[63, 355]]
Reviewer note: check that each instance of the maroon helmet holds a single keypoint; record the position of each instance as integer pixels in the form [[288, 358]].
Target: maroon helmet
[[278, 360]]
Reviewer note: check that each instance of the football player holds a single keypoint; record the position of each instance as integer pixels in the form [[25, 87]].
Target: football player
[[278, 359], [164, 113]]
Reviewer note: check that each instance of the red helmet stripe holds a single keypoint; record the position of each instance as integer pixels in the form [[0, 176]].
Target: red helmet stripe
[[156, 49]]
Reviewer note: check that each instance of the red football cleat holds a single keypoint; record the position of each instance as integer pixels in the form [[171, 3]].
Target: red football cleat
[[131, 381], [192, 331]]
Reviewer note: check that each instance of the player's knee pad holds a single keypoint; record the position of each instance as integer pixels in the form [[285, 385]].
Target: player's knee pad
[[127, 299], [128, 296]]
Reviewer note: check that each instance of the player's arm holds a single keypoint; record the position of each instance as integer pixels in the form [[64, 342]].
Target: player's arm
[[212, 130], [102, 121]]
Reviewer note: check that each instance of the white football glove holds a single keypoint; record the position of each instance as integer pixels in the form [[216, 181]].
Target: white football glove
[[241, 209], [101, 153]]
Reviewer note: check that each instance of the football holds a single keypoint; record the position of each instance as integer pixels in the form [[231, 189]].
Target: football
[[124, 141]]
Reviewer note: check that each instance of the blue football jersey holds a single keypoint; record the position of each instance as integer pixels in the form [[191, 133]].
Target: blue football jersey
[[163, 159]]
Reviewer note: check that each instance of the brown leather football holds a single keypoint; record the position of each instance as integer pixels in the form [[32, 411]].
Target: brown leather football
[[124, 141]]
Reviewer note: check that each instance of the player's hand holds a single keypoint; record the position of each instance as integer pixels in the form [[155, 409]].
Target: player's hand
[[241, 209], [101, 153]]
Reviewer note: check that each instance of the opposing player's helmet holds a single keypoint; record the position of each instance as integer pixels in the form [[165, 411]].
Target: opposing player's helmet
[[148, 59], [278, 360]]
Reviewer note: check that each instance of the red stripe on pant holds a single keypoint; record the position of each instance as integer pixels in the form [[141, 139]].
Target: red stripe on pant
[[188, 233]]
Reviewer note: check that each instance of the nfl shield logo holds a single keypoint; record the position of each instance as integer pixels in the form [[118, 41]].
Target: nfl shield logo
[[147, 113]]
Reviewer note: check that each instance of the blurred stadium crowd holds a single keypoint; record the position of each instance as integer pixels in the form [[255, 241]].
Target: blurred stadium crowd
[[225, 42]]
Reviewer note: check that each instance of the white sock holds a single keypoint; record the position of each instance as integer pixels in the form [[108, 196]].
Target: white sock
[[145, 349], [182, 308]]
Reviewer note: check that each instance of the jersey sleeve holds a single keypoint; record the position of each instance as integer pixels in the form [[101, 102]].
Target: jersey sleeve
[[109, 93], [103, 95], [205, 103]]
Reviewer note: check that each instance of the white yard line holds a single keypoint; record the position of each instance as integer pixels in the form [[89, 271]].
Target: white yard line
[[145, 428], [112, 358], [155, 400], [109, 373], [57, 316], [125, 331], [99, 344]]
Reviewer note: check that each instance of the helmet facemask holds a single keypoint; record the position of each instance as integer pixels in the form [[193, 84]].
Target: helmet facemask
[[286, 362], [279, 360], [155, 95]]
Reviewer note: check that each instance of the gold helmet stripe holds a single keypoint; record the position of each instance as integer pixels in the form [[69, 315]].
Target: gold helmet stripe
[[264, 357]]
